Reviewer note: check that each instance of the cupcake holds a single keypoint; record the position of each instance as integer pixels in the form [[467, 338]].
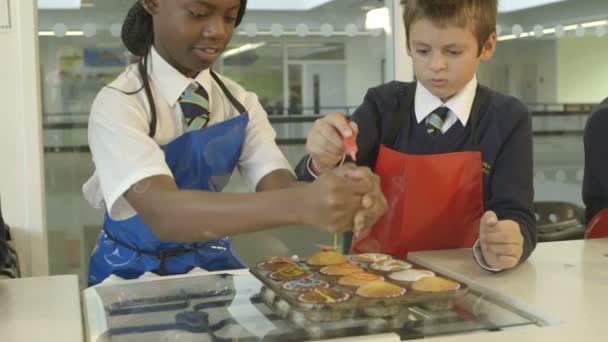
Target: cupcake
[[341, 269], [390, 265], [323, 296], [359, 279], [380, 289], [370, 257], [273, 265], [289, 273], [411, 275], [305, 284], [435, 284], [326, 258]]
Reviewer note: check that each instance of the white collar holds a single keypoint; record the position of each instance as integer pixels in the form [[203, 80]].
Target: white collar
[[460, 104], [172, 83]]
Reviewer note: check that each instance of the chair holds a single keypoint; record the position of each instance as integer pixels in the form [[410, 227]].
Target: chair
[[559, 221], [598, 227], [10, 268]]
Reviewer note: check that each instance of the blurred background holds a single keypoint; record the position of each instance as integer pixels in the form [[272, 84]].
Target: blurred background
[[307, 58]]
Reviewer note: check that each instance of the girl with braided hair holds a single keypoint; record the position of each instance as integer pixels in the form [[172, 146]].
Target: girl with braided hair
[[167, 134]]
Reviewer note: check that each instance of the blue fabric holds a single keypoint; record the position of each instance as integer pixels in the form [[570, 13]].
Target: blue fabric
[[200, 160]]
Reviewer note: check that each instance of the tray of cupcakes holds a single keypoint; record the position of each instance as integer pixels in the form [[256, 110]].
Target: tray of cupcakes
[[329, 286]]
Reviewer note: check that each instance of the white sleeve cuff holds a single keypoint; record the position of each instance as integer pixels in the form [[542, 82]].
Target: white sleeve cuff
[[314, 175], [478, 255]]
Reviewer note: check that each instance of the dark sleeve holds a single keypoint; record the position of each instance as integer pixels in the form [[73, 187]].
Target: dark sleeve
[[511, 185], [3, 245], [368, 118], [595, 181]]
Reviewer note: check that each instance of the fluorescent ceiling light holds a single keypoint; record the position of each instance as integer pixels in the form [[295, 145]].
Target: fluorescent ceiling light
[[283, 5], [377, 18], [506, 6], [59, 4], [68, 33], [242, 48], [572, 27]]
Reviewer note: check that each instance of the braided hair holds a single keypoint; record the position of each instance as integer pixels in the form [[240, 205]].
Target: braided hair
[[138, 36]]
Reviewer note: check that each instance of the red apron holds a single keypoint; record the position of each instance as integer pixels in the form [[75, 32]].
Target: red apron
[[435, 201], [598, 227]]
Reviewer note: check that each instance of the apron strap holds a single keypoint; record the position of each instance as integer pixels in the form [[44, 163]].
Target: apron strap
[[398, 118], [406, 106], [480, 104], [163, 255], [153, 119], [228, 94]]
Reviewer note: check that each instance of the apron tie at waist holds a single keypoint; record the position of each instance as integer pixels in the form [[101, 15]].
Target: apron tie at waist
[[163, 255]]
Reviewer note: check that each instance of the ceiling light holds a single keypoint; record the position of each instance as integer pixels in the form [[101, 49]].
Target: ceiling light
[[59, 4], [572, 27], [378, 18], [517, 5], [274, 5], [241, 49], [68, 33]]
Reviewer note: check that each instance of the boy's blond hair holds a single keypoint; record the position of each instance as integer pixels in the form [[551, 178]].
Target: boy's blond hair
[[478, 15]]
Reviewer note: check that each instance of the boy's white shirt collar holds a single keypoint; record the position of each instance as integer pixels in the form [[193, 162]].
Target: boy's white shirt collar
[[460, 104], [170, 82]]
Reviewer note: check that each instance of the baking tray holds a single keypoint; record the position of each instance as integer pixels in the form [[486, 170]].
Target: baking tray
[[432, 301]]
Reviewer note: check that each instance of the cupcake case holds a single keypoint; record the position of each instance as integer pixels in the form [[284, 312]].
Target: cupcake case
[[285, 302]]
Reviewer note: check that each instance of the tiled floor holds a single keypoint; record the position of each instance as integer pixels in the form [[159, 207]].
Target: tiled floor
[[73, 225]]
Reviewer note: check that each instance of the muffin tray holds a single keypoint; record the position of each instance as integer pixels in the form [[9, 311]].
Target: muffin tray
[[373, 307]]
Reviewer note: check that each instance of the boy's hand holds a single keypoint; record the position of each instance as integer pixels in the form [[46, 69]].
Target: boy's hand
[[373, 203], [502, 243], [324, 142]]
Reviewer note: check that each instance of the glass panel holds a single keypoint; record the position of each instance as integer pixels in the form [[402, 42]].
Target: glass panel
[[238, 307], [305, 61], [552, 58], [319, 51], [80, 52], [260, 69]]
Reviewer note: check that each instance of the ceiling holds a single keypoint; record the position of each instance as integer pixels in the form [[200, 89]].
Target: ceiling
[[104, 13]]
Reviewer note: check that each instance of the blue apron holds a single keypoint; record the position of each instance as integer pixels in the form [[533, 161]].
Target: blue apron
[[199, 160]]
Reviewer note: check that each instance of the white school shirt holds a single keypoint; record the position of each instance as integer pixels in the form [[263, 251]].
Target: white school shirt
[[459, 105], [123, 152]]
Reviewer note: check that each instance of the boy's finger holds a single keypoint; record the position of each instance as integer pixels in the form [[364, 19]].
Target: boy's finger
[[507, 261], [367, 201], [489, 218], [351, 170], [505, 249], [325, 161], [359, 221], [362, 173], [354, 127], [500, 237], [329, 135], [361, 233], [339, 122], [326, 150]]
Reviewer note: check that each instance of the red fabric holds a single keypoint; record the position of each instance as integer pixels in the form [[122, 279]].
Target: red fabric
[[598, 227], [435, 202]]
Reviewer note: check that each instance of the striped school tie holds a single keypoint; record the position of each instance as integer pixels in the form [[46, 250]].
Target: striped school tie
[[195, 106], [435, 120]]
